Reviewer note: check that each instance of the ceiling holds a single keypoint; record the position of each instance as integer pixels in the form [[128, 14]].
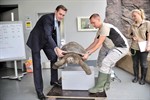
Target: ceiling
[[4, 8]]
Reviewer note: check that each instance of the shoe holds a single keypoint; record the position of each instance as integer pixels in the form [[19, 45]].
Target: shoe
[[100, 85], [143, 76], [41, 96], [135, 80], [142, 82], [56, 84]]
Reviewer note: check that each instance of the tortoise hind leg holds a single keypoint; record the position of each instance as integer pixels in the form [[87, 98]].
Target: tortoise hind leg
[[85, 67]]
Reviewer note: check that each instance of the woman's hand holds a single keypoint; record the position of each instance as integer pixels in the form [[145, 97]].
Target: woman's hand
[[148, 48], [135, 38]]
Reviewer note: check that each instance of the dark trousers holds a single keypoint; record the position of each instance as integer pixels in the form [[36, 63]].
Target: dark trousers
[[37, 69], [139, 58]]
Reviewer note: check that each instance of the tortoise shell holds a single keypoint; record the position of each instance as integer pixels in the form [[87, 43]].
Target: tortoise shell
[[74, 47]]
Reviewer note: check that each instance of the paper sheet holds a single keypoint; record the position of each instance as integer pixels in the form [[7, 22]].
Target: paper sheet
[[142, 45]]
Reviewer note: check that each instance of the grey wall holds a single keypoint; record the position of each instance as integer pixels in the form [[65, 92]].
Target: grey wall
[[29, 9]]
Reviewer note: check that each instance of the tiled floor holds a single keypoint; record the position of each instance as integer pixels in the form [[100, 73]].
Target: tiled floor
[[126, 90], [24, 89]]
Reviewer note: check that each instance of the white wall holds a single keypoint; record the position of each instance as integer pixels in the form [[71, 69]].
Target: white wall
[[76, 8]]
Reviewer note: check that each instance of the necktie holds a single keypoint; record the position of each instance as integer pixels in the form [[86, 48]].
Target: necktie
[[58, 33]]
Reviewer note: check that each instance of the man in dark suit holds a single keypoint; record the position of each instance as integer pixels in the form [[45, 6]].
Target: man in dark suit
[[45, 36]]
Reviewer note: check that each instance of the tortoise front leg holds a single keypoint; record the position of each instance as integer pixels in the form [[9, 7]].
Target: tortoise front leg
[[59, 63], [85, 67]]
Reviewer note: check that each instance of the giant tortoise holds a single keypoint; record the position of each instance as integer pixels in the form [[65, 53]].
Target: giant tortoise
[[73, 56]]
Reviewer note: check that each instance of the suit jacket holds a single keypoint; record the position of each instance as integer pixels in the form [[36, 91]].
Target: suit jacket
[[44, 33]]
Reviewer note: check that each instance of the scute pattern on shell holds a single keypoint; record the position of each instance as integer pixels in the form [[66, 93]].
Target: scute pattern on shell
[[74, 47]]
